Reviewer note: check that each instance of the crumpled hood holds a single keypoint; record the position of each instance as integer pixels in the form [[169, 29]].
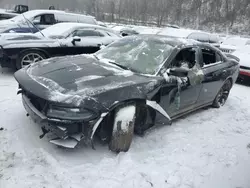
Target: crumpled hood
[[73, 79]]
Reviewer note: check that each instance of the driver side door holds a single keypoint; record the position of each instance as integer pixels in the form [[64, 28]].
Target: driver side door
[[180, 94]]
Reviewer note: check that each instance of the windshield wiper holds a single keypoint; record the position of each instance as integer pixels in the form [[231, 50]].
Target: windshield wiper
[[119, 65]]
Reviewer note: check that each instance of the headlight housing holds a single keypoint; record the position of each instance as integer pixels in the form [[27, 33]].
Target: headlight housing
[[70, 113]]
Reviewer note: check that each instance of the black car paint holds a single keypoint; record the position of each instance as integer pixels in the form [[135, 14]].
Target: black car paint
[[10, 56], [143, 87]]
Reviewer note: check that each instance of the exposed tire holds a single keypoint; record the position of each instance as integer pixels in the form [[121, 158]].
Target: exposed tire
[[123, 128], [223, 94], [29, 57]]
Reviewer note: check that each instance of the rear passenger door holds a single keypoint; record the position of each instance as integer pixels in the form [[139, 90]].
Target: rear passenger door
[[215, 69]]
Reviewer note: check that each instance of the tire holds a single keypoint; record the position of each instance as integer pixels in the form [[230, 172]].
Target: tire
[[123, 128], [222, 95], [37, 56]]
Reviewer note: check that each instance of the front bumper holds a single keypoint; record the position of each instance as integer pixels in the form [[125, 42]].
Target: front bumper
[[67, 133]]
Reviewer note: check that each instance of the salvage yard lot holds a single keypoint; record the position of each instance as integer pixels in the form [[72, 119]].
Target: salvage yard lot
[[209, 148]]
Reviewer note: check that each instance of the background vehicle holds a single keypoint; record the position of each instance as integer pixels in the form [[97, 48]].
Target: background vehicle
[[128, 31], [243, 53], [44, 18], [111, 94], [57, 40], [7, 14], [191, 34], [231, 44]]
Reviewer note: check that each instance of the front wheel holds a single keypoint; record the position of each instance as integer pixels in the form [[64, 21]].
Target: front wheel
[[29, 57], [223, 94], [123, 128]]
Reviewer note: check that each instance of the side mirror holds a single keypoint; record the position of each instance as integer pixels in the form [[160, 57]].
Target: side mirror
[[124, 34], [75, 39], [180, 72]]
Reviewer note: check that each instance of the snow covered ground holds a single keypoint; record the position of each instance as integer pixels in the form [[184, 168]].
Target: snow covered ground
[[206, 149]]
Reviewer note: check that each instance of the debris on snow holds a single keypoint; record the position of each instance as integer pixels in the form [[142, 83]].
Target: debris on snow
[[158, 108], [67, 143]]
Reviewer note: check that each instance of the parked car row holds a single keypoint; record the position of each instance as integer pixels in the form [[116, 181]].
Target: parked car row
[[19, 50]]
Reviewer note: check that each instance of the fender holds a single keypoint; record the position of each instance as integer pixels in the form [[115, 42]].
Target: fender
[[152, 104]]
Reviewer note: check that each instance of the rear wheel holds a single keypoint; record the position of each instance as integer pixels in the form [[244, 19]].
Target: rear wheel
[[123, 128], [223, 94], [29, 57]]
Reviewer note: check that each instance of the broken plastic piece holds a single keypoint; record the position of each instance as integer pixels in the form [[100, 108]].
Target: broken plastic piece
[[67, 143], [45, 131], [77, 137], [158, 108], [97, 124], [61, 128]]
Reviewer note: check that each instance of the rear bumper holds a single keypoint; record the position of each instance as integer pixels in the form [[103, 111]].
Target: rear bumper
[[67, 133], [5, 61], [244, 73]]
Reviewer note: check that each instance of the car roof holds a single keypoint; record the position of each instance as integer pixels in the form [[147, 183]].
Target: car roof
[[174, 41], [68, 26]]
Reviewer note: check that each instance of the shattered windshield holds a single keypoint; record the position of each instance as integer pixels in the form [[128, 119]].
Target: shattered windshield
[[139, 54]]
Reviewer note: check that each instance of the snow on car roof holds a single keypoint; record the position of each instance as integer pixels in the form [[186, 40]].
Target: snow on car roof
[[183, 33], [168, 39], [32, 13], [63, 28]]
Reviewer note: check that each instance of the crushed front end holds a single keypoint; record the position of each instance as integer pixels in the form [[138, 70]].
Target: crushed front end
[[69, 126]]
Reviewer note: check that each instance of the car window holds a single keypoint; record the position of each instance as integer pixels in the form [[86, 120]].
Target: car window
[[210, 57], [45, 19], [37, 20], [185, 58], [87, 33], [142, 54]]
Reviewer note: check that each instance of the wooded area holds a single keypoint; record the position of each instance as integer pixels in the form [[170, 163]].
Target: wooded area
[[215, 15]]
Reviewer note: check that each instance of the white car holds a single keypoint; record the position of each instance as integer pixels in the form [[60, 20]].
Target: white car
[[231, 44], [243, 53], [45, 18], [200, 36]]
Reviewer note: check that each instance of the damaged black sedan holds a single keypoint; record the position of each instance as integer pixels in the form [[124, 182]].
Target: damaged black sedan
[[123, 88]]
